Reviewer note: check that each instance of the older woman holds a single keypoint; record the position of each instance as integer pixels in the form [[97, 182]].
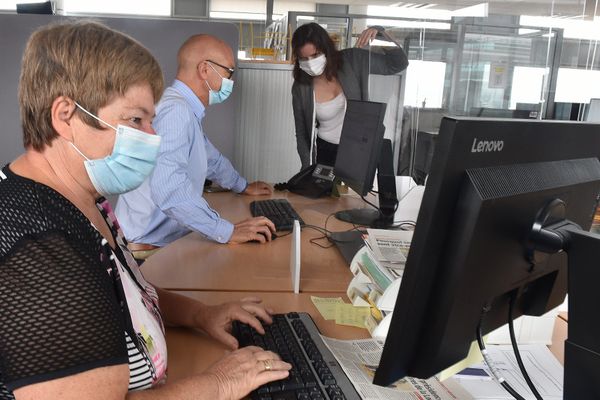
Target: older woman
[[324, 78], [78, 319]]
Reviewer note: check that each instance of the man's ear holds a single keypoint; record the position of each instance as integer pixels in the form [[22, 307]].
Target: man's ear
[[61, 113], [202, 70]]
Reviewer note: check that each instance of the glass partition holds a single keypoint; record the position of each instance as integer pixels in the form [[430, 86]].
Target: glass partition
[[506, 66]]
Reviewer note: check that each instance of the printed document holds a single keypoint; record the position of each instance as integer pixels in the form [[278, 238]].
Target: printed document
[[359, 359], [389, 245], [543, 368]]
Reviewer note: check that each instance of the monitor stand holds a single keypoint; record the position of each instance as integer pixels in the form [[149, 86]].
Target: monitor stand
[[359, 216], [388, 199], [552, 233]]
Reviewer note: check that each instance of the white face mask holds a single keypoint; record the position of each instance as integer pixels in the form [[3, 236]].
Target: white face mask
[[314, 66]]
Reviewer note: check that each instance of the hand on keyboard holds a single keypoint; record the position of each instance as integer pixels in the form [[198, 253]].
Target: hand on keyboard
[[253, 229], [244, 370], [217, 320], [315, 373], [279, 211]]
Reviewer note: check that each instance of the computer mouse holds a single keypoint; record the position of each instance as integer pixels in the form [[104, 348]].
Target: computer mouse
[[273, 237]]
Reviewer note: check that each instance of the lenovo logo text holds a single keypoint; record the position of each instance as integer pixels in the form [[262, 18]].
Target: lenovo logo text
[[486, 146]]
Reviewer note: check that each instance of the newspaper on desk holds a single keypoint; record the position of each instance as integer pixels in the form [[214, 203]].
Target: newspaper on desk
[[359, 359], [389, 245]]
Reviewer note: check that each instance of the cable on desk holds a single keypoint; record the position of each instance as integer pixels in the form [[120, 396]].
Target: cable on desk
[[326, 234], [400, 224], [373, 205], [488, 360], [513, 341]]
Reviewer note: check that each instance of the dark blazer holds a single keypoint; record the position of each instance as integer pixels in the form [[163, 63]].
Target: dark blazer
[[354, 79]]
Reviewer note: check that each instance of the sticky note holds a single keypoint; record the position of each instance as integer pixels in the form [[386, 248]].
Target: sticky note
[[326, 305], [347, 314]]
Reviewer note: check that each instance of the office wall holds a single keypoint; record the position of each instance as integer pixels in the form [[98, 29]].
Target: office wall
[[265, 133], [163, 37]]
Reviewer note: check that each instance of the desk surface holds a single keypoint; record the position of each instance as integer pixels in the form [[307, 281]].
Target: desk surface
[[192, 352], [195, 263]]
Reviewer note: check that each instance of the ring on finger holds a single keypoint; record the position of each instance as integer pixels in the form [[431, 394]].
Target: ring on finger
[[267, 364]]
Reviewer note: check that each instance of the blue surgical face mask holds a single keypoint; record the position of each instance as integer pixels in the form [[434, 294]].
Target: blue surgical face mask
[[131, 161], [222, 95]]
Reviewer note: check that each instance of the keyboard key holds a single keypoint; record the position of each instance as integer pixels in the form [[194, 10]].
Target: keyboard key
[[302, 395], [287, 395]]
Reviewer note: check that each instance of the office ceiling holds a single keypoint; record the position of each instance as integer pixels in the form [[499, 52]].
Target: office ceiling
[[567, 8]]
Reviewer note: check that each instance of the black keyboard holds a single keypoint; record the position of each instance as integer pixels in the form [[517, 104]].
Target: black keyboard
[[279, 211], [315, 373]]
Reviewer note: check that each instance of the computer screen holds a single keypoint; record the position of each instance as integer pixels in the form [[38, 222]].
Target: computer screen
[[490, 180], [363, 151], [360, 144], [35, 8]]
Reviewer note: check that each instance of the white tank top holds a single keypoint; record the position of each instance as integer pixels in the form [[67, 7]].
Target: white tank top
[[330, 115]]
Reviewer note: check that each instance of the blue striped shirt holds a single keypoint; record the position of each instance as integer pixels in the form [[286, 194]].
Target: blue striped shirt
[[169, 204]]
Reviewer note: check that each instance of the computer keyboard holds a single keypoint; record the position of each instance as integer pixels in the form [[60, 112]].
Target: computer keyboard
[[280, 211], [315, 373]]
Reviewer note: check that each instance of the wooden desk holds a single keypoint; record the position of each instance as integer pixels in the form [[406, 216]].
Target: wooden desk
[[192, 352], [195, 263]]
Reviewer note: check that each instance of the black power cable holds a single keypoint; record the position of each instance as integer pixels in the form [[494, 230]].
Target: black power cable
[[513, 341]]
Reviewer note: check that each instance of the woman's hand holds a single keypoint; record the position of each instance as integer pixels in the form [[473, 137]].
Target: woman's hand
[[369, 34], [216, 320], [366, 37], [244, 370]]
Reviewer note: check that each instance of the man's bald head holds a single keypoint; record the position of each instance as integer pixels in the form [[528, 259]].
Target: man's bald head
[[200, 48]]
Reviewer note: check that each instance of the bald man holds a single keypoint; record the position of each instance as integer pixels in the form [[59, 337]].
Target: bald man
[[169, 204]]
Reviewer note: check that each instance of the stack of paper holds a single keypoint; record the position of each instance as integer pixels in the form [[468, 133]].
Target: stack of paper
[[388, 249]]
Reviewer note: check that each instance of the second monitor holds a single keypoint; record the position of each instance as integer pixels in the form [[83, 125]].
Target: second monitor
[[361, 152]]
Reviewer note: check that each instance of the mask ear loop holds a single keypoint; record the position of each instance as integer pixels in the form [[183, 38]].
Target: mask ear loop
[[214, 69], [79, 151], [205, 81], [93, 116]]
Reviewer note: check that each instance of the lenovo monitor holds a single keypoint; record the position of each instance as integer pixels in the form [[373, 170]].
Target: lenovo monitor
[[482, 237]]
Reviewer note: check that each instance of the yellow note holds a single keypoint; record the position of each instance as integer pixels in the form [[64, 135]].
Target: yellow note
[[347, 314], [326, 305], [473, 357]]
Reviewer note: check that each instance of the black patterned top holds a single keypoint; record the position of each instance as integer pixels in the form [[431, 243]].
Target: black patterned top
[[69, 302]]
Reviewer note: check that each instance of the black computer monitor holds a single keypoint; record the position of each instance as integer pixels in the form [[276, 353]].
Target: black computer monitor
[[363, 151], [35, 8], [491, 182]]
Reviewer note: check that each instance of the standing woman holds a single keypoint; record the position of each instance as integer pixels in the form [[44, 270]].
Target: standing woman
[[324, 78]]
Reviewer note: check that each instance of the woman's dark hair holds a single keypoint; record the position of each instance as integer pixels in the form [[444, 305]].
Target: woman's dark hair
[[315, 34]]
